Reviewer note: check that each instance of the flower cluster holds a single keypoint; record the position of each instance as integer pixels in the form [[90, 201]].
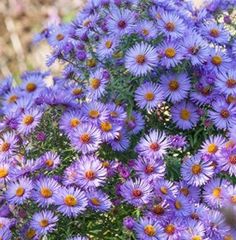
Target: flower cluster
[[136, 138]]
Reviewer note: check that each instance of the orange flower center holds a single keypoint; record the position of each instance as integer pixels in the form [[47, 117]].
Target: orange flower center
[[231, 83], [3, 172], [20, 191], [49, 162], [232, 159], [170, 52], [170, 229], [228, 237], [164, 190], [158, 209], [214, 33], [145, 32], [149, 96], [184, 191], [5, 147], [173, 85], [46, 192], [90, 174], [60, 37], [216, 192], [77, 91], [196, 169], [108, 44], [106, 126], [149, 169], [216, 60], [93, 113], [30, 234], [185, 114], [154, 146], [95, 83], [74, 122], [170, 26], [85, 138], [27, 120], [44, 223], [212, 148], [70, 200], [95, 201], [140, 59], [31, 87], [150, 230], [178, 204], [12, 99], [224, 113]]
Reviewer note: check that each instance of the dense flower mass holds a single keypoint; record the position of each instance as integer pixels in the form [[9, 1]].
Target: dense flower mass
[[136, 138]]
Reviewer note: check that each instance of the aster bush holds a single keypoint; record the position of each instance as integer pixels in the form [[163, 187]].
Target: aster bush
[[136, 137]]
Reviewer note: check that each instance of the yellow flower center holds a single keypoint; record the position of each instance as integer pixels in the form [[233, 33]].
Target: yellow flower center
[[170, 229], [145, 32], [173, 85], [196, 237], [27, 120], [150, 230], [228, 237], [20, 191], [94, 113], [70, 200], [95, 83], [196, 169], [140, 59], [90, 174], [105, 164], [60, 37], [91, 62], [212, 148], [31, 87], [185, 114], [77, 91], [30, 234], [170, 26], [106, 126], [12, 99], [214, 33], [164, 190], [46, 192], [108, 44], [3, 172], [170, 52], [178, 204], [49, 162], [216, 60], [85, 138], [5, 147], [44, 223], [149, 96], [74, 122], [224, 113], [216, 192], [95, 201]]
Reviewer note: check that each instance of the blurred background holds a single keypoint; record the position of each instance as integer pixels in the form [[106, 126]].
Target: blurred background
[[20, 20]]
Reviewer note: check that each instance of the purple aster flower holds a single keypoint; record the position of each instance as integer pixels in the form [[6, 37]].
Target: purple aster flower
[[121, 142], [41, 136], [44, 222], [229, 197], [223, 114], [116, 113], [226, 82], [149, 95], [227, 160], [171, 25], [86, 138], [140, 59], [44, 191], [196, 171], [98, 200], [148, 228], [190, 192], [170, 54], [19, 191], [184, 114], [29, 233], [109, 130], [129, 223], [97, 84], [195, 48], [153, 145], [70, 174], [172, 229], [71, 201], [90, 172], [107, 46], [29, 120], [178, 141], [215, 33], [70, 120], [95, 112], [136, 192], [175, 86], [8, 145], [165, 190], [149, 168], [50, 160], [147, 29], [135, 123], [120, 22], [213, 192], [4, 172], [213, 145], [215, 225], [194, 230], [181, 206]]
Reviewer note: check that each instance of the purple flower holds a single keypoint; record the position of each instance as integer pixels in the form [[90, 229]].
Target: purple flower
[[227, 160], [8, 145], [137, 192], [140, 59], [226, 82], [129, 223], [50, 160]]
